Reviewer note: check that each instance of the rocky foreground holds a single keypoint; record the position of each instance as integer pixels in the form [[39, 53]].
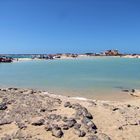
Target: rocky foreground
[[36, 115]]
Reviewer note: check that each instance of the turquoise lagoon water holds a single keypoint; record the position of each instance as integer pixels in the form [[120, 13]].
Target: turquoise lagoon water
[[99, 78]]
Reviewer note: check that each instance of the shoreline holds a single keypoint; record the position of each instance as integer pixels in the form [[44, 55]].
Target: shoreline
[[109, 96], [33, 114], [78, 57]]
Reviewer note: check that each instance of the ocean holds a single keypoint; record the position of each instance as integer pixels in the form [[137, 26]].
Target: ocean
[[96, 78]]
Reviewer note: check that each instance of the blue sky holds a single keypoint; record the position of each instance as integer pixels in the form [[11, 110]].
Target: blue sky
[[54, 26]]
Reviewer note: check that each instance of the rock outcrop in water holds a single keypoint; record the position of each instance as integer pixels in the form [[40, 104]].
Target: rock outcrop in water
[[5, 60]]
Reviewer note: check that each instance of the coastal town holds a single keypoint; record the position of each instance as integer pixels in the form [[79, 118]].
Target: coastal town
[[8, 58]]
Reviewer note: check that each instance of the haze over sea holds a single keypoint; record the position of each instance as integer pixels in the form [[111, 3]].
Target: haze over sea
[[97, 78]]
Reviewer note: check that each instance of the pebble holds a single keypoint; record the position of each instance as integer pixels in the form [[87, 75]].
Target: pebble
[[77, 125], [38, 122], [48, 127], [65, 127], [79, 132], [57, 133], [85, 120], [3, 106], [91, 125], [54, 117], [70, 122], [67, 104], [21, 125], [76, 106]]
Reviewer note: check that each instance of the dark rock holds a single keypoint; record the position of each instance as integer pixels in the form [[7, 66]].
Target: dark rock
[[103, 136], [47, 110], [91, 125], [5, 121], [15, 88], [21, 125], [93, 137], [67, 104], [4, 90], [88, 115], [12, 88], [85, 120], [114, 109], [133, 90], [92, 131], [38, 122], [57, 133], [51, 110], [128, 105], [3, 106], [83, 133], [79, 132], [64, 119], [70, 122], [85, 111], [48, 127], [55, 126], [58, 100], [78, 113], [54, 117], [65, 127], [120, 128], [82, 111], [76, 106], [42, 110], [77, 126]]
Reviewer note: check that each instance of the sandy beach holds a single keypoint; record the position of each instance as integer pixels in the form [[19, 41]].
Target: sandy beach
[[38, 115], [70, 70], [78, 57]]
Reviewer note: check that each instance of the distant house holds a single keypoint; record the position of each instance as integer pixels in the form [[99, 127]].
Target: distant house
[[112, 53]]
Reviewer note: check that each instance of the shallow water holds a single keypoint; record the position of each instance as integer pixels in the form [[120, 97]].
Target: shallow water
[[97, 78]]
